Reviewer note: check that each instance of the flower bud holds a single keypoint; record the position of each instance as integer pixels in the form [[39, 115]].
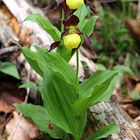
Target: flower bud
[[72, 41], [74, 4]]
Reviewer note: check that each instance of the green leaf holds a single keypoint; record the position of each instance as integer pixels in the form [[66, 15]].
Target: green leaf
[[41, 118], [58, 96], [101, 67], [86, 88], [104, 132], [46, 25], [121, 68], [35, 59], [28, 85], [57, 64], [10, 69], [81, 13], [41, 59], [121, 32], [89, 25], [64, 52], [100, 93], [135, 95]]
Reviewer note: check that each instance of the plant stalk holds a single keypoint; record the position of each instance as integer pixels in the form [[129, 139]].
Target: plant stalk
[[77, 64], [62, 19]]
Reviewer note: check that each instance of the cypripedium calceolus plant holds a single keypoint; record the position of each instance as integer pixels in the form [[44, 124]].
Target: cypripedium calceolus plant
[[72, 41], [66, 101]]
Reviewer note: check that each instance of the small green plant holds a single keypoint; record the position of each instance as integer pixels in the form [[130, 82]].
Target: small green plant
[[135, 95], [9, 69], [66, 101], [114, 45]]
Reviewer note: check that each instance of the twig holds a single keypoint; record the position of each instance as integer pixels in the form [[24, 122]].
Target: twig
[[4, 124], [20, 116], [138, 11], [9, 50], [16, 126]]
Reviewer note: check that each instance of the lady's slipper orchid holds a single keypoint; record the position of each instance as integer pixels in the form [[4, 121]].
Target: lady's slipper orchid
[[72, 41], [72, 37], [70, 5], [74, 4]]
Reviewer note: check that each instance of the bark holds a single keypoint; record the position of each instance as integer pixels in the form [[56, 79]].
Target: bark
[[110, 112], [101, 114]]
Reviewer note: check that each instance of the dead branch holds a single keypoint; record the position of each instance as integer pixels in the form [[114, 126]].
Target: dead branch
[[9, 50]]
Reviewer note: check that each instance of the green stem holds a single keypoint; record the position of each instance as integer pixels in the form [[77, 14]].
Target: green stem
[[77, 138], [123, 8], [62, 18], [77, 64]]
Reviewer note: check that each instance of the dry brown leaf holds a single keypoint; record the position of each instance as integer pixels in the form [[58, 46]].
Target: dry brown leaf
[[25, 130], [134, 27], [137, 88], [5, 107]]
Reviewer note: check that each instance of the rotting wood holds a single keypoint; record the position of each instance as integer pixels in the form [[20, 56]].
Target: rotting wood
[[6, 32], [21, 10], [110, 112]]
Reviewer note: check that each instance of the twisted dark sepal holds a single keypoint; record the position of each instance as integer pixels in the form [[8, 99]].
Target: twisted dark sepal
[[54, 45], [88, 45]]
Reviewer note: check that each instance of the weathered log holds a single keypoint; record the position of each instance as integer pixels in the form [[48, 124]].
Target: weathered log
[[110, 112], [21, 10], [101, 114]]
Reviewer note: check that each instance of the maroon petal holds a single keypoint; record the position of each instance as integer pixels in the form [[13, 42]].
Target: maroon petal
[[77, 31], [60, 3], [54, 45], [71, 21], [66, 32], [88, 45], [66, 8]]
